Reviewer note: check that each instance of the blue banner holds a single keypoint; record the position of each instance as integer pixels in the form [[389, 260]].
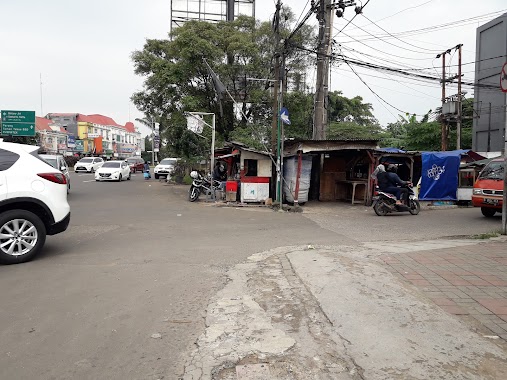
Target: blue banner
[[439, 177], [71, 141]]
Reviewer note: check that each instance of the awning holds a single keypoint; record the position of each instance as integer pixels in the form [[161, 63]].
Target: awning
[[228, 155]]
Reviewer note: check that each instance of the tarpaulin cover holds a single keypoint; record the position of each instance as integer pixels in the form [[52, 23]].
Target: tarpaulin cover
[[391, 150], [439, 177]]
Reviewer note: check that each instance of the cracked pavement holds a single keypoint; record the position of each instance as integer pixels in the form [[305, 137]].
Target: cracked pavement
[[336, 312]]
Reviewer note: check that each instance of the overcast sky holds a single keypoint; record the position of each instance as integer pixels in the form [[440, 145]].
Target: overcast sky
[[82, 51]]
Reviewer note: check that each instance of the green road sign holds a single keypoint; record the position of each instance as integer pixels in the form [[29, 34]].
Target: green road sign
[[18, 123]]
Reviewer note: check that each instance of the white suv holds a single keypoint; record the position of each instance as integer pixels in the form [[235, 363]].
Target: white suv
[[33, 202], [165, 168], [88, 164]]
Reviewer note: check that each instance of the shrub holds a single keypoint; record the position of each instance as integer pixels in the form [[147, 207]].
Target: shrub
[[187, 180], [71, 160]]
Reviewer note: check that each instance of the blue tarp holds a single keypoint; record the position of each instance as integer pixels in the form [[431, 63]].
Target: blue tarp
[[439, 176], [391, 150]]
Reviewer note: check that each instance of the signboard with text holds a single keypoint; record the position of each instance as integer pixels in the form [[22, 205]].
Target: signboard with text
[[71, 141], [79, 146], [18, 123]]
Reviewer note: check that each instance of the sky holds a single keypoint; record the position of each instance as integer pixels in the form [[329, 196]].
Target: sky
[[80, 51]]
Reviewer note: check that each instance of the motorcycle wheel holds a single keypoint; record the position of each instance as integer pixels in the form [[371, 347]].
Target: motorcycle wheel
[[193, 194], [415, 207], [380, 209]]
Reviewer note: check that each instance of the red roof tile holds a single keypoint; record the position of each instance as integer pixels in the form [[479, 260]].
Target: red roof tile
[[100, 120], [43, 124], [130, 127]]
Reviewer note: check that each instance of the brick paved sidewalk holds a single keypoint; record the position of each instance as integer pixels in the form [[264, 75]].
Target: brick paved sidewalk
[[468, 281]]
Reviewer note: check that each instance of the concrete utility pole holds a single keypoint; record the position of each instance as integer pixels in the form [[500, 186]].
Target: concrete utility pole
[[274, 120], [324, 15], [460, 102]]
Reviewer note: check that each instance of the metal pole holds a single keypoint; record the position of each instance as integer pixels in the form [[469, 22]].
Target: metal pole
[[152, 141], [443, 126], [41, 110], [278, 157], [212, 154], [282, 138], [504, 198], [298, 176], [458, 126]]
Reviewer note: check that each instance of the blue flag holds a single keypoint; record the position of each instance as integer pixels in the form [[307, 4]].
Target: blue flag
[[284, 116]]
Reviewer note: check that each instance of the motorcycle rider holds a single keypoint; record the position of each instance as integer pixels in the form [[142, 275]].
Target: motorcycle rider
[[389, 182]]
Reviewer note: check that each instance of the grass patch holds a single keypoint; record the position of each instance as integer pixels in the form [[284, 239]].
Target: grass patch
[[487, 235]]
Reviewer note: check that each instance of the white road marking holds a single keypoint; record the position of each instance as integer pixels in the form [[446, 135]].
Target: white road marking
[[92, 180]]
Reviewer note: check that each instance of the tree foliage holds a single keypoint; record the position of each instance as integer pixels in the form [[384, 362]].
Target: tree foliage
[[425, 135], [178, 81]]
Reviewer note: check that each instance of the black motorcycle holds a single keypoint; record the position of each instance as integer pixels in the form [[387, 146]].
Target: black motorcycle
[[201, 184], [385, 203]]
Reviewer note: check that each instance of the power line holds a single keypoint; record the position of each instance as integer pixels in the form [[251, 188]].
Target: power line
[[390, 43], [390, 89], [470, 20], [403, 10], [347, 24], [379, 97], [394, 55], [347, 60], [408, 43]]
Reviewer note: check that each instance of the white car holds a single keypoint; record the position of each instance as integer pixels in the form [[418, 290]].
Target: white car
[[33, 202], [113, 171], [165, 168], [88, 164], [58, 162]]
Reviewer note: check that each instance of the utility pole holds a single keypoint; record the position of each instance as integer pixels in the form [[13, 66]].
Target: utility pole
[[460, 102], [274, 120], [443, 126], [325, 17], [230, 10]]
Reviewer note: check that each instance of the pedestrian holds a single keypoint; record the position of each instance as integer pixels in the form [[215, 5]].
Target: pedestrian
[[220, 174], [146, 170]]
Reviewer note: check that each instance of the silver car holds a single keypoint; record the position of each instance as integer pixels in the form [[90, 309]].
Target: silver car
[[58, 162]]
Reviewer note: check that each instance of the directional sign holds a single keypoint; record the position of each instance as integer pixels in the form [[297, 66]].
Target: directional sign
[[18, 123], [503, 78]]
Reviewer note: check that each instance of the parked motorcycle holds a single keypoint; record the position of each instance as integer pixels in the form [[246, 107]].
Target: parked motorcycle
[[201, 184], [385, 203]]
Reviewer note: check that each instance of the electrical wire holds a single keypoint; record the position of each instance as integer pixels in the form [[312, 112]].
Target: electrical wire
[[386, 88], [379, 97], [430, 29], [390, 43], [399, 39], [403, 10], [391, 69], [382, 60], [393, 55], [308, 1], [362, 7], [406, 85]]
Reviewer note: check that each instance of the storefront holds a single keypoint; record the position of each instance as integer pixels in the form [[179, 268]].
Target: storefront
[[248, 173]]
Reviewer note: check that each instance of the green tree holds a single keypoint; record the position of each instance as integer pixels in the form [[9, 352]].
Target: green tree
[[351, 118], [177, 80]]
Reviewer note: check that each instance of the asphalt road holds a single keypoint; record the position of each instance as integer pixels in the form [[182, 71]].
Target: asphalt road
[[122, 294]]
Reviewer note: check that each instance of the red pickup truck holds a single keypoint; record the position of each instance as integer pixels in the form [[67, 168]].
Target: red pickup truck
[[488, 189]]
